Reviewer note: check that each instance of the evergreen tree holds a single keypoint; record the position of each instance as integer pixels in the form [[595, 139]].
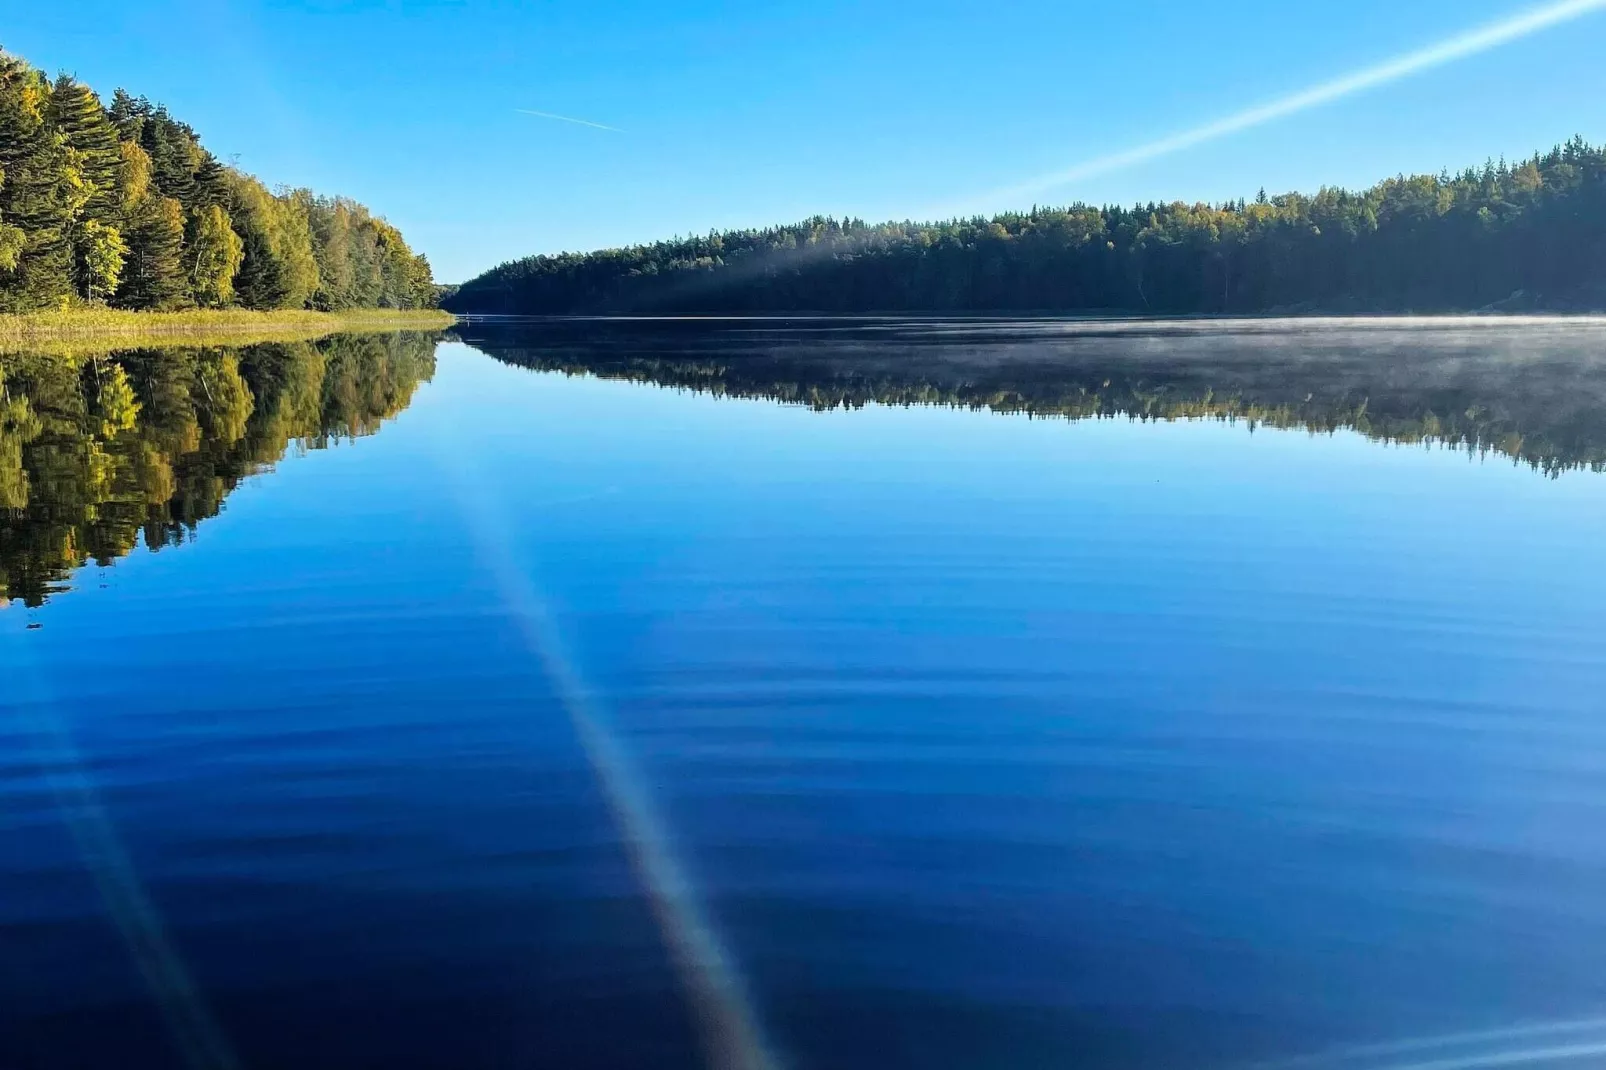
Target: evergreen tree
[[93, 234], [154, 277], [124, 203], [127, 114], [42, 194], [211, 181], [76, 114], [175, 152], [1530, 235]]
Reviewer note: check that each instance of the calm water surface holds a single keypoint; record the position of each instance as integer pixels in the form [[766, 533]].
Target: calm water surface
[[1013, 695]]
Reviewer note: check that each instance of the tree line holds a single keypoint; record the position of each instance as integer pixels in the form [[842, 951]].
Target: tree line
[[119, 204], [1525, 235], [98, 453]]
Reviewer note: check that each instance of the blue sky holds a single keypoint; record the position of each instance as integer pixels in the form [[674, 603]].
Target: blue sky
[[746, 113]]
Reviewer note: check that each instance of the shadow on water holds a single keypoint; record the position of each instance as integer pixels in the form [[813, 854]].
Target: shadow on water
[[1533, 389]]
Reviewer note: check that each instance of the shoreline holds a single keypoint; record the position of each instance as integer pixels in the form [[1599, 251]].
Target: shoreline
[[20, 331], [1112, 320]]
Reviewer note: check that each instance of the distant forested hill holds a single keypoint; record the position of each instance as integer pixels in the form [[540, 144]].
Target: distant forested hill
[[121, 205], [1529, 235]]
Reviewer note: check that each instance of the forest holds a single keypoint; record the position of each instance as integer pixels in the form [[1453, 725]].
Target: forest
[[98, 453], [118, 204], [1529, 235]]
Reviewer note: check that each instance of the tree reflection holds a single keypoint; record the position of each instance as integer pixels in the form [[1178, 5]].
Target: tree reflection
[[1533, 391], [100, 454]]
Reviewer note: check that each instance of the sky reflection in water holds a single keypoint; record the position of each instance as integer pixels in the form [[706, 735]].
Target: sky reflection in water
[[969, 739]]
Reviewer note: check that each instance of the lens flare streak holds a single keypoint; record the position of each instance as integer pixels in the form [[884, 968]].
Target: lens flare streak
[[729, 1029], [195, 1033], [1522, 1045]]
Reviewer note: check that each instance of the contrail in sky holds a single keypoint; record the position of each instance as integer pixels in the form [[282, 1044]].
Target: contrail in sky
[[583, 122], [1459, 47]]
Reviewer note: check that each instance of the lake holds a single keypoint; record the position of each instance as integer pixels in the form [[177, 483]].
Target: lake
[[809, 693]]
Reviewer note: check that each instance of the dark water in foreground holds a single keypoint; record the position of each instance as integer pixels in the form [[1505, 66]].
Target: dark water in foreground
[[584, 707]]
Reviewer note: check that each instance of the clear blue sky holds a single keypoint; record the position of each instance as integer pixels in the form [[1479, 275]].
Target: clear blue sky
[[739, 112]]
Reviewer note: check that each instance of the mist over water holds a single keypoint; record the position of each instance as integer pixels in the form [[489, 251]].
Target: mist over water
[[809, 693]]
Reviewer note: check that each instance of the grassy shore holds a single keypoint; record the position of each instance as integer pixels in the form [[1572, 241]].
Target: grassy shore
[[113, 327]]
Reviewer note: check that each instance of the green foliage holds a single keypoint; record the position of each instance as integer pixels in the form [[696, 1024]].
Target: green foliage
[[101, 254], [363, 262], [76, 114], [133, 177], [12, 242], [154, 277], [123, 204], [215, 254], [1515, 237], [279, 269], [175, 150], [44, 189]]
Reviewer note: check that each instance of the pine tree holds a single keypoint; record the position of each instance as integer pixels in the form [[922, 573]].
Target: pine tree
[[43, 191], [153, 275], [175, 155], [128, 114], [211, 182], [76, 114], [123, 202], [262, 282], [93, 233]]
